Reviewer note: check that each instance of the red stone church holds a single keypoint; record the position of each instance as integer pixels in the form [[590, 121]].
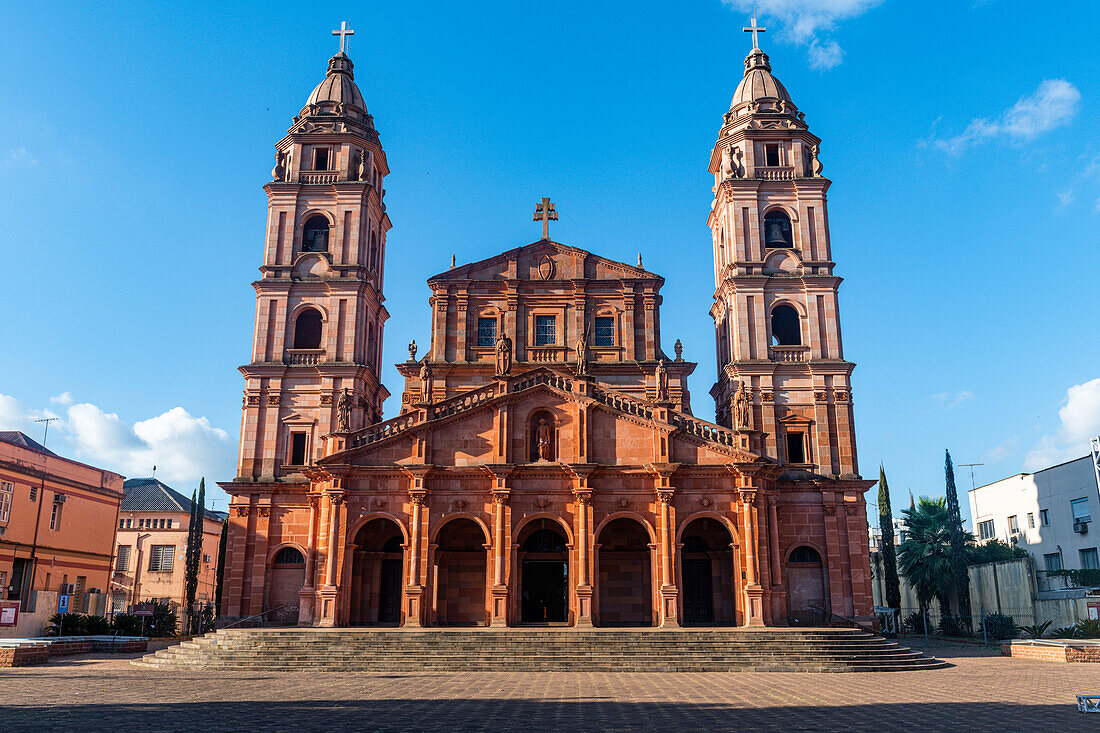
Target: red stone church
[[546, 466]]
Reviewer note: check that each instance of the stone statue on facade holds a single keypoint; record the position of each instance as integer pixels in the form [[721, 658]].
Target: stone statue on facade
[[741, 407], [815, 163], [738, 167], [278, 173], [679, 349], [364, 165], [426, 382], [504, 355], [662, 381], [582, 355], [542, 437], [412, 350], [343, 410]]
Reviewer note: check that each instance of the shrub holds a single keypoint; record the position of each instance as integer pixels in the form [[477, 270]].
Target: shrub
[[163, 622], [1036, 631], [954, 625], [96, 625], [1087, 578], [67, 624], [913, 623], [1088, 628], [993, 551], [127, 624], [1065, 632], [998, 626], [207, 619]]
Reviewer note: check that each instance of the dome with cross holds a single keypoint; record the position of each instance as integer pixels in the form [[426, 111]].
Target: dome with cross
[[758, 83], [339, 87]]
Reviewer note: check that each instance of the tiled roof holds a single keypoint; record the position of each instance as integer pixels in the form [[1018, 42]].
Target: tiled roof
[[151, 495], [23, 440]]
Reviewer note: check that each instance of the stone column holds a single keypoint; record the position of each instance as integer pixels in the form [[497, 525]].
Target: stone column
[[499, 591], [754, 612], [779, 601], [415, 590], [306, 594], [581, 501], [330, 590], [669, 593]]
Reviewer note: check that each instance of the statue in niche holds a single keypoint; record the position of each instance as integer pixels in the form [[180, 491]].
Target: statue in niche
[[582, 355], [504, 355], [426, 382], [542, 439], [412, 350], [815, 162], [741, 407], [278, 173], [364, 165], [662, 381], [343, 410]]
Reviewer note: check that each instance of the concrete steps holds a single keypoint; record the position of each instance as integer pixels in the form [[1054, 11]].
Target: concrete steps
[[500, 650]]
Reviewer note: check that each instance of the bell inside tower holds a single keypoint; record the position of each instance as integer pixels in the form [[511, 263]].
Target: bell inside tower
[[777, 231]]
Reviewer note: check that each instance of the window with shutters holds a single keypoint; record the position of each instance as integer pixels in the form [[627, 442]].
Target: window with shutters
[[123, 563], [7, 489], [160, 558]]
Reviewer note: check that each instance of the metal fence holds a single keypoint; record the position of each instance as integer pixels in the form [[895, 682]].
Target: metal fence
[[987, 625]]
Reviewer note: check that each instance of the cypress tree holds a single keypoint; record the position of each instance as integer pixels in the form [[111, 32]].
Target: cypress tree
[[221, 566], [959, 566], [191, 575], [887, 552]]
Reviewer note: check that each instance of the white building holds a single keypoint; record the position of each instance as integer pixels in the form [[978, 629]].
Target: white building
[[1050, 513]]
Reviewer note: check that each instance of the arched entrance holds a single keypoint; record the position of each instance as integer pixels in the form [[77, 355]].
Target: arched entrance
[[460, 575], [543, 573], [625, 592], [706, 573], [805, 587], [376, 571], [288, 575]]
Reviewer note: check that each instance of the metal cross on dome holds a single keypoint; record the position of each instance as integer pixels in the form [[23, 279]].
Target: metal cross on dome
[[754, 29], [344, 32], [545, 211]]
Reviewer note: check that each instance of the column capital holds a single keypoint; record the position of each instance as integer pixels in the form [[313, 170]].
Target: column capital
[[582, 497], [337, 498], [501, 498], [748, 496], [665, 495], [418, 498]]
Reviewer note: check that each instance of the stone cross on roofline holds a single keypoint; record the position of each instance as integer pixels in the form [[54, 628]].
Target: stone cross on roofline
[[545, 211], [754, 29], [344, 32]]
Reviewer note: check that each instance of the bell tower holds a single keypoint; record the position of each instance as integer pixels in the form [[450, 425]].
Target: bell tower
[[781, 366], [316, 354]]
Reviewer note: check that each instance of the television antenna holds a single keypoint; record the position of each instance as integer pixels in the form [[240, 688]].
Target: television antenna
[[46, 429], [971, 466]]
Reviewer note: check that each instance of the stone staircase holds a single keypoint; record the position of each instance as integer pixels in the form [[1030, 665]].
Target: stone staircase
[[541, 650]]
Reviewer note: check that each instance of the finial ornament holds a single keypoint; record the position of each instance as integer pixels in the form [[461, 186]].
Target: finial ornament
[[754, 29], [344, 32], [412, 350], [640, 261], [545, 211], [278, 173]]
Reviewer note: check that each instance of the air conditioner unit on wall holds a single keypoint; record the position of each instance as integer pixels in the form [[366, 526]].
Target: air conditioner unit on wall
[[67, 589], [59, 498], [1081, 527]]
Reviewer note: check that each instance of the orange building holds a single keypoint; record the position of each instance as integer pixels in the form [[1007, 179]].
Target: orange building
[[57, 523], [150, 559], [546, 466]]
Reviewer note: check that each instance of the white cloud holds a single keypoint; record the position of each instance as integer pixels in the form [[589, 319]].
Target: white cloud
[[1065, 199], [1005, 449], [1054, 104], [183, 447], [947, 400], [1080, 418], [20, 157], [807, 23]]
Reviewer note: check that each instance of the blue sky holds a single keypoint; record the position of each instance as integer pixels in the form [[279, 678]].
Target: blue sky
[[964, 209]]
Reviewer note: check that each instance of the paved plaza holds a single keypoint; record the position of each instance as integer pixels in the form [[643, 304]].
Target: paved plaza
[[981, 692]]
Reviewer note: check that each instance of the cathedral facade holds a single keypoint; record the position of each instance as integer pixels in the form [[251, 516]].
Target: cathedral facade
[[545, 466]]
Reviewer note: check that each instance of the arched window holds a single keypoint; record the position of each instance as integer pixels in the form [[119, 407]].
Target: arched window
[[307, 329], [777, 230], [289, 556], [315, 234], [786, 329], [373, 250], [804, 554]]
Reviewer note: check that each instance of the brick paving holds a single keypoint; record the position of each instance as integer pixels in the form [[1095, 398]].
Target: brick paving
[[981, 692]]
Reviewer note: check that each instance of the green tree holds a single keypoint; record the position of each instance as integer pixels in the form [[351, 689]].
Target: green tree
[[194, 554], [960, 573], [924, 559], [887, 552], [221, 566]]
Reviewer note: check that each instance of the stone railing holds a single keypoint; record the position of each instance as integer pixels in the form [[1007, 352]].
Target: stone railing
[[318, 176], [621, 402], [545, 355], [788, 354], [383, 430], [704, 430], [774, 173], [533, 380], [303, 357], [462, 402]]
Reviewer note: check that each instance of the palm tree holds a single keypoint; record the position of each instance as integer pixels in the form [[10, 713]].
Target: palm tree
[[924, 559]]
